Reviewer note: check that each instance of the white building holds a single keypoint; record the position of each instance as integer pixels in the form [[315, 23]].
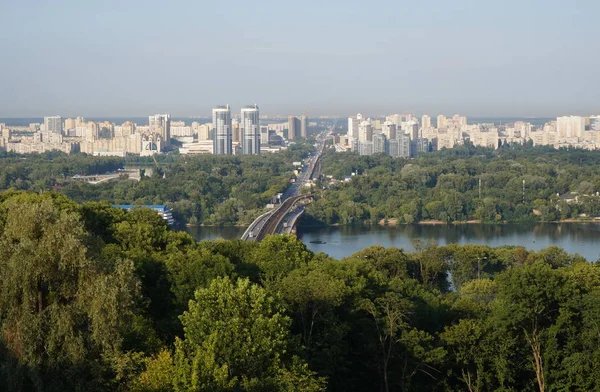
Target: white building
[[161, 125], [425, 121], [353, 123], [570, 126], [390, 130], [365, 132], [595, 123], [250, 122], [222, 125], [53, 124]]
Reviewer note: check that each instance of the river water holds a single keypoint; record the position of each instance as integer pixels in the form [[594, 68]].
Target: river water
[[342, 241]]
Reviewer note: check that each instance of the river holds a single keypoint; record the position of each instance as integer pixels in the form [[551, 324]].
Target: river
[[342, 241]]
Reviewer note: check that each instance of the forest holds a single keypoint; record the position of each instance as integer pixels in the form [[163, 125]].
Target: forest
[[209, 189], [511, 184], [94, 298]]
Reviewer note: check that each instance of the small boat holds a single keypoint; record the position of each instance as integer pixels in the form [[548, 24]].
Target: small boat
[[318, 242]]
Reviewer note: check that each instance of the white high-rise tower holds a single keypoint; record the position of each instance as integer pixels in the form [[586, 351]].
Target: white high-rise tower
[[222, 127], [250, 130]]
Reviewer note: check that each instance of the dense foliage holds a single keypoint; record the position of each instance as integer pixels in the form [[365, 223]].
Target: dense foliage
[[445, 186], [209, 189], [96, 299]]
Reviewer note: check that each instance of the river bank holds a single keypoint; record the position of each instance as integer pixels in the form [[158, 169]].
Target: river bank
[[343, 240]]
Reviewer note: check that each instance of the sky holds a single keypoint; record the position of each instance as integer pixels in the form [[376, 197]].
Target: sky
[[533, 58]]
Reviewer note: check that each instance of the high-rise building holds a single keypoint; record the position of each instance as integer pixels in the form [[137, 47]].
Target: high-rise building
[[403, 145], [265, 134], [389, 129], [595, 123], [441, 121], [70, 123], [418, 147], [395, 118], [570, 126], [365, 148], [53, 124], [353, 123], [4, 133], [250, 122], [222, 127], [412, 129], [204, 131], [459, 121], [160, 124], [425, 122], [303, 128], [294, 127], [365, 132], [380, 144]]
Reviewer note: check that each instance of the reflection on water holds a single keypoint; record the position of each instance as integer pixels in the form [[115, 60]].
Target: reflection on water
[[342, 241], [213, 233]]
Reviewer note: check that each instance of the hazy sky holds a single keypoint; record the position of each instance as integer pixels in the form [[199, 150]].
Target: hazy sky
[[130, 57]]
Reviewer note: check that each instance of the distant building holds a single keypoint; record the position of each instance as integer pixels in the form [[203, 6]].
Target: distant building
[[70, 123], [160, 124], [425, 121], [390, 130], [353, 123], [294, 127], [222, 126], [250, 122], [179, 129], [365, 148], [418, 147], [365, 132], [380, 144], [412, 129], [570, 126], [196, 148], [441, 121], [303, 128], [53, 124], [265, 134], [403, 145], [595, 123]]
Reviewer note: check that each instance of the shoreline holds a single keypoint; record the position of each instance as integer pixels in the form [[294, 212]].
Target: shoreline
[[469, 222], [393, 222]]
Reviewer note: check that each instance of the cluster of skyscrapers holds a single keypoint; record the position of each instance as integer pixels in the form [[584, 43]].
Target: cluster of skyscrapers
[[224, 135], [397, 136], [405, 136], [223, 131], [250, 128]]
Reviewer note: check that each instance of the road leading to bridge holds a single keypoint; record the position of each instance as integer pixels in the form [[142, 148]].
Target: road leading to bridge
[[271, 222]]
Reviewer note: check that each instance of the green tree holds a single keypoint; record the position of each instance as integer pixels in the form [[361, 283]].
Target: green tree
[[61, 311], [237, 337], [528, 306]]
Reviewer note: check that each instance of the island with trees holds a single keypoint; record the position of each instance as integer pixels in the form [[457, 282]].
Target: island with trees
[[511, 184]]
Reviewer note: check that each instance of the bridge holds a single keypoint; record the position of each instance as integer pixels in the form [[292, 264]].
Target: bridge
[[275, 221], [283, 219]]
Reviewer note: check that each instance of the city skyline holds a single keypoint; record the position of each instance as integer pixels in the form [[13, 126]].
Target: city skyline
[[482, 59]]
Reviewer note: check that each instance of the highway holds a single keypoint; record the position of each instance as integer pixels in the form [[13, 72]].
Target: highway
[[270, 222]]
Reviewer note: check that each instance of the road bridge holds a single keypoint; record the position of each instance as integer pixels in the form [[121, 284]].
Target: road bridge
[[273, 223], [283, 219]]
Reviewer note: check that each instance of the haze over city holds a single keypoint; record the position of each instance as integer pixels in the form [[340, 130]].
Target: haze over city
[[112, 58]]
